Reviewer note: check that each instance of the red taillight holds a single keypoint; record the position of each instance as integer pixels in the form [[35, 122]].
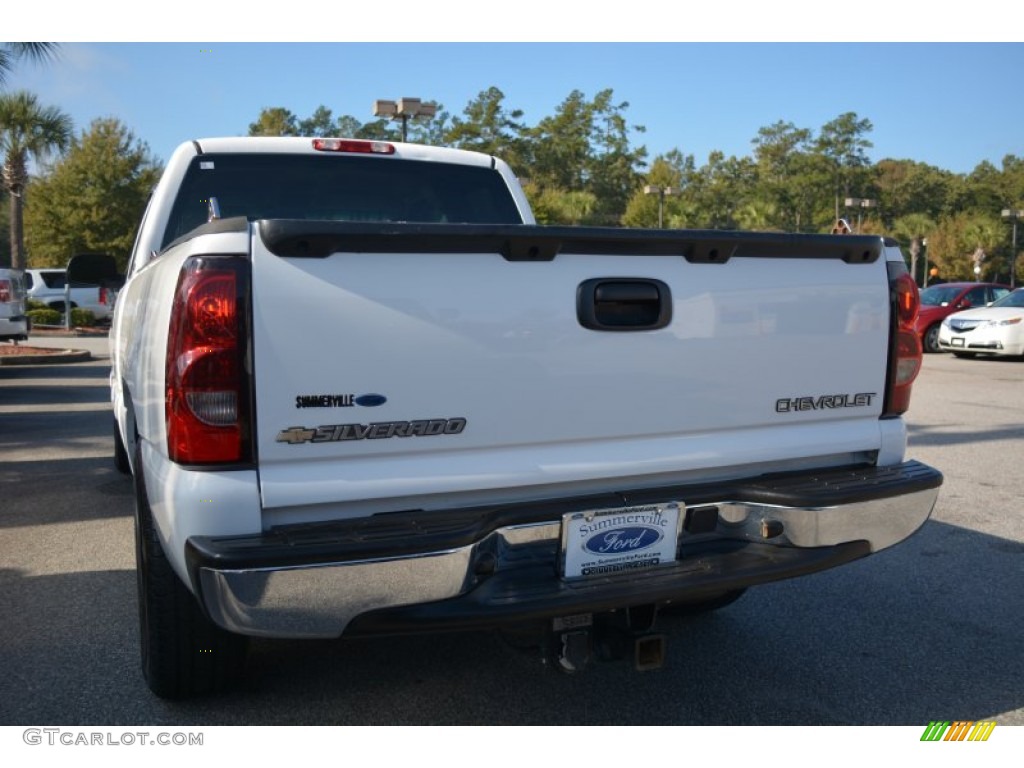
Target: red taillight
[[5, 290], [905, 360], [103, 296], [207, 403], [354, 145]]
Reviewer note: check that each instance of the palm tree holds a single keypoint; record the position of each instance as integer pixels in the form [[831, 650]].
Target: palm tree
[[11, 52], [27, 130]]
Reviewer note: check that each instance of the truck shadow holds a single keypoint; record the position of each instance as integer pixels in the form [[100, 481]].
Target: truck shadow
[[920, 436], [929, 629], [63, 491], [919, 632]]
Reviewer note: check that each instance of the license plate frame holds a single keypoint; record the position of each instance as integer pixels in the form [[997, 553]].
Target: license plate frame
[[957, 342], [623, 540]]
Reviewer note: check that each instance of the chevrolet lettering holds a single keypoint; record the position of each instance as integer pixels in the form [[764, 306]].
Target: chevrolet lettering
[[824, 402], [624, 459]]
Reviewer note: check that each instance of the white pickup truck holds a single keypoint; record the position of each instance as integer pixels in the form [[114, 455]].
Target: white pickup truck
[[360, 391]]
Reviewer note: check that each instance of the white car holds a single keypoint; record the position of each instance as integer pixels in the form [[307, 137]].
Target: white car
[[997, 329], [47, 286], [13, 322]]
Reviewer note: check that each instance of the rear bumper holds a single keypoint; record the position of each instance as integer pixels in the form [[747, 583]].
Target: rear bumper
[[489, 566]]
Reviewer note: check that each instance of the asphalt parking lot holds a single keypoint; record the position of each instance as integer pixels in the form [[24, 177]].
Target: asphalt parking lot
[[930, 629]]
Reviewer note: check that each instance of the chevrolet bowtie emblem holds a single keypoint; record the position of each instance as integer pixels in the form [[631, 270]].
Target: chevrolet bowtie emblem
[[295, 435]]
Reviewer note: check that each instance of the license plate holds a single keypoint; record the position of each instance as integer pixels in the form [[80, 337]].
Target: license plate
[[617, 541], [957, 342]]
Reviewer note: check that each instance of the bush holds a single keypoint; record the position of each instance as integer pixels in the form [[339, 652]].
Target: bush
[[45, 316], [79, 317], [82, 317], [34, 304]]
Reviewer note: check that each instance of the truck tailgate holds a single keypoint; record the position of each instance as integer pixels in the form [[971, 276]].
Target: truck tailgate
[[435, 377]]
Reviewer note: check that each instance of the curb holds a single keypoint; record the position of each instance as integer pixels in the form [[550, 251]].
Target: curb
[[67, 356]]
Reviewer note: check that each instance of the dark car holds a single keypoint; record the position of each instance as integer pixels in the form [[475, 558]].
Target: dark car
[[940, 301]]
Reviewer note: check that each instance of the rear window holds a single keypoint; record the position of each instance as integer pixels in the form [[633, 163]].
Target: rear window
[[12, 288], [53, 278], [1015, 299], [939, 295], [331, 187]]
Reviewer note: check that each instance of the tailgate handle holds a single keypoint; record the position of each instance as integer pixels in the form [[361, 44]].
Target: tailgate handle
[[623, 304]]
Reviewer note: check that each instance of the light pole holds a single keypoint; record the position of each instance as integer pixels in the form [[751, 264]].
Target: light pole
[[653, 189], [404, 109], [1014, 215], [924, 255], [860, 203]]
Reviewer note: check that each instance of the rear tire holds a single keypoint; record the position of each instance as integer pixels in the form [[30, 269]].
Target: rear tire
[[931, 339], [697, 607], [183, 652]]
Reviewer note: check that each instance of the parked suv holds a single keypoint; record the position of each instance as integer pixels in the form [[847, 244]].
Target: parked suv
[[13, 321], [940, 301], [47, 286]]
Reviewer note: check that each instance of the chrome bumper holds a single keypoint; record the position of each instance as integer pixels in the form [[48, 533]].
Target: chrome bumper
[[247, 585]]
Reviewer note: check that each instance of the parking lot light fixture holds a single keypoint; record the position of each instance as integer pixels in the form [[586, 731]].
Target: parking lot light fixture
[[1014, 215], [403, 110], [860, 203], [653, 189]]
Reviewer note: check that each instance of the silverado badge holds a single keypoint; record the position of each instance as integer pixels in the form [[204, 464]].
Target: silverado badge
[[380, 430]]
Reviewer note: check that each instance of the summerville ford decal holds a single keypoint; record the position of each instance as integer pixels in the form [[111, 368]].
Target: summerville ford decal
[[378, 430], [630, 538], [370, 400], [619, 540]]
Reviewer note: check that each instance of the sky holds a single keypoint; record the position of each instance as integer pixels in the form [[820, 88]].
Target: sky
[[939, 101]]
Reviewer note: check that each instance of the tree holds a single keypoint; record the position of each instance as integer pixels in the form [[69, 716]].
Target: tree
[[490, 128], [672, 169], [27, 131], [842, 143], [5, 228], [1013, 181], [781, 150], [551, 205], [561, 145], [615, 165], [775, 145], [380, 129], [12, 52], [317, 124], [757, 215], [347, 126], [812, 186], [905, 187], [983, 189], [93, 199], [585, 147], [957, 238], [911, 231], [432, 131], [720, 188], [275, 121]]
